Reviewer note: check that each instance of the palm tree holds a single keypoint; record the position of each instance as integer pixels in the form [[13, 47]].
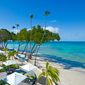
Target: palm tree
[[17, 27], [13, 27], [46, 13], [13, 53], [51, 74], [31, 16], [13, 30]]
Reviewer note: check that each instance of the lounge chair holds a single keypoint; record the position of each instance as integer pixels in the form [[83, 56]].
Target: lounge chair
[[31, 77], [26, 75], [21, 73]]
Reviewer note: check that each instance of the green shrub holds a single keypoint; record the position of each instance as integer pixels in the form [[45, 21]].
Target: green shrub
[[14, 65], [2, 70], [1, 82], [7, 66], [5, 49], [3, 66], [7, 84]]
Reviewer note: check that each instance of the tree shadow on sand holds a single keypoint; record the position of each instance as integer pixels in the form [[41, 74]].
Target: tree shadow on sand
[[68, 63]]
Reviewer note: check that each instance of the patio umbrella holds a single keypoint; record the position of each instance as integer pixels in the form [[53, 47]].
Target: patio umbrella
[[1, 67], [14, 79], [28, 67], [2, 51], [10, 62]]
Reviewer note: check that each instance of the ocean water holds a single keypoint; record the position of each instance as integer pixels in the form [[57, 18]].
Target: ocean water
[[69, 53]]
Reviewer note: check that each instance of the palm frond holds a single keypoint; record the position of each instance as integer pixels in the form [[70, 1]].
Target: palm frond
[[53, 75], [31, 15], [46, 13], [42, 74], [47, 65], [17, 25], [54, 69], [13, 27], [49, 81]]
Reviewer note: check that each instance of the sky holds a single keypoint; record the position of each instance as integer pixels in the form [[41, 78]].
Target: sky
[[67, 17]]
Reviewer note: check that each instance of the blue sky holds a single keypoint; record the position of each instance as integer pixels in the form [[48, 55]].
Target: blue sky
[[67, 17]]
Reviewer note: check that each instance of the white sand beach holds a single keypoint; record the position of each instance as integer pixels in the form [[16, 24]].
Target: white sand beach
[[73, 76]]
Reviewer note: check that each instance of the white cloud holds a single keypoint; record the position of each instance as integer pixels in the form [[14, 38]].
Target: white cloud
[[16, 31], [52, 29], [28, 29], [53, 21]]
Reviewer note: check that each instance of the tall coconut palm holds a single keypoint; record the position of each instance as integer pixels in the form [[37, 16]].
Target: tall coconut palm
[[13, 31], [46, 13], [13, 27], [17, 27], [31, 16], [51, 74]]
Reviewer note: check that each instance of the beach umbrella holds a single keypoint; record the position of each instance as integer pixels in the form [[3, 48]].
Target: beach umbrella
[[10, 62], [1, 67], [28, 67], [2, 51], [14, 79]]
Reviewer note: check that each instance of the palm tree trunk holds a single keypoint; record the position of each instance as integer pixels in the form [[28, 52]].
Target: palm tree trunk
[[2, 44], [24, 49], [18, 47], [36, 55], [31, 34], [17, 29], [44, 30], [13, 44]]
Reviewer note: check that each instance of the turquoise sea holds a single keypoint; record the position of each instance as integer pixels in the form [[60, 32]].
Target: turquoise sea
[[71, 53]]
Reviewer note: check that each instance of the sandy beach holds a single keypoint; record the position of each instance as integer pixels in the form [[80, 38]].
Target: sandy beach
[[73, 76]]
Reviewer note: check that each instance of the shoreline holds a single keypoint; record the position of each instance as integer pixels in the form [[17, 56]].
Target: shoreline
[[72, 76], [67, 76]]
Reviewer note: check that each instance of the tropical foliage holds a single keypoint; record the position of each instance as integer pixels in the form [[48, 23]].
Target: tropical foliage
[[11, 53], [3, 58], [51, 74], [37, 35], [5, 49], [5, 35]]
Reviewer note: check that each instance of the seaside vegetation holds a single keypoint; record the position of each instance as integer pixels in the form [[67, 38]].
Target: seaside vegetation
[[11, 53], [37, 35], [3, 58], [51, 74]]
